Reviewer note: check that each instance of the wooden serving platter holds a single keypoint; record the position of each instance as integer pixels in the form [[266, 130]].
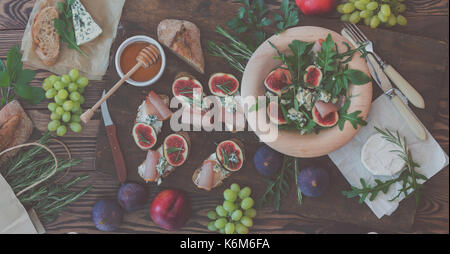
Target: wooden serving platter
[[290, 142], [422, 61]]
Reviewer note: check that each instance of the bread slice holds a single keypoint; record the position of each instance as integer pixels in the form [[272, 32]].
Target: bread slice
[[22, 132], [183, 38], [45, 37]]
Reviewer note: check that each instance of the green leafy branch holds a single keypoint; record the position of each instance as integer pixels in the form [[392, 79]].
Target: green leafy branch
[[14, 80], [408, 178], [249, 26], [289, 17]]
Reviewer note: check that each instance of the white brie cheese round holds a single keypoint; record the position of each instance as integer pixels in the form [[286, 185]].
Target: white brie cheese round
[[378, 158]]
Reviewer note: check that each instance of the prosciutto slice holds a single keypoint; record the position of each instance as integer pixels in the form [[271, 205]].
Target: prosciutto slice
[[150, 173], [207, 175], [156, 106], [325, 109]]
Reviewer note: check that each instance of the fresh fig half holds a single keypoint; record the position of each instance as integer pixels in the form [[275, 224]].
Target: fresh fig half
[[313, 76], [186, 86], [176, 149], [230, 154], [222, 84], [278, 80], [328, 120], [144, 135], [276, 118]]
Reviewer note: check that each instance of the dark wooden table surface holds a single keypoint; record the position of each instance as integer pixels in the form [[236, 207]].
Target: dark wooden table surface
[[426, 18]]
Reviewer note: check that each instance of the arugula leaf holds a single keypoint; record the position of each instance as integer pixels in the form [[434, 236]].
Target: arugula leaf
[[325, 57], [357, 77], [353, 118], [64, 26]]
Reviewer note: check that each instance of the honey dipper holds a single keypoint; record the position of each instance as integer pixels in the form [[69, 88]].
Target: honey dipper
[[147, 56]]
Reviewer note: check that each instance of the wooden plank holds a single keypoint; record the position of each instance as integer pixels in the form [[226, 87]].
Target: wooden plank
[[343, 210], [432, 216], [425, 17], [14, 13]]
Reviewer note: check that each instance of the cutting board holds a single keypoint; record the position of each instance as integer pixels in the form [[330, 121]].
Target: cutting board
[[422, 61]]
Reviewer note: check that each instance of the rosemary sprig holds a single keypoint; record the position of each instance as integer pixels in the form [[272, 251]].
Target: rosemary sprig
[[174, 150], [409, 177], [143, 139], [48, 199], [235, 52], [279, 186], [225, 157], [225, 88]]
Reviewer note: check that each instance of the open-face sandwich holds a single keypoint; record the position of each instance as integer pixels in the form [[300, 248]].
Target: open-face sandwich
[[160, 163], [226, 88], [189, 91], [149, 120], [228, 158]]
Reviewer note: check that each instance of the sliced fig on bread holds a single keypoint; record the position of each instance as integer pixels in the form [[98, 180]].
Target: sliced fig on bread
[[145, 136], [218, 166], [230, 154], [223, 84], [176, 148]]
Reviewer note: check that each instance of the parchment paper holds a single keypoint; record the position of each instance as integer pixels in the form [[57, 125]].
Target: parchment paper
[[107, 15], [428, 154], [13, 217]]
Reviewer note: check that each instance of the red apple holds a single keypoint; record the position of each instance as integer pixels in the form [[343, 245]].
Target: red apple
[[315, 7], [170, 209]]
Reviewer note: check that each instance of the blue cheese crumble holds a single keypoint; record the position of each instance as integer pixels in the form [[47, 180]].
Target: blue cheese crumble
[[145, 118], [305, 98], [297, 116]]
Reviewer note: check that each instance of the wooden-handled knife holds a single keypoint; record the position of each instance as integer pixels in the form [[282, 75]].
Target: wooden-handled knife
[[111, 131]]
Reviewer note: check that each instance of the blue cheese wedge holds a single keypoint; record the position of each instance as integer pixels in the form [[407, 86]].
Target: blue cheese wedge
[[379, 159], [85, 28]]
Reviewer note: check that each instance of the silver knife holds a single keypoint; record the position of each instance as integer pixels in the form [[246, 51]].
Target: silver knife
[[385, 84], [111, 132]]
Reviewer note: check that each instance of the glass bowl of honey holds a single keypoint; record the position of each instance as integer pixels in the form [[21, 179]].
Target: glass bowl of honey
[[126, 59]]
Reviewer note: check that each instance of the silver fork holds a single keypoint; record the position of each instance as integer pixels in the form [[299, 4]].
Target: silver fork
[[407, 89]]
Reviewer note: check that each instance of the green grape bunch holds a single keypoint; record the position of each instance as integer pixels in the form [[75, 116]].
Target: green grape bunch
[[66, 92], [373, 12], [236, 213]]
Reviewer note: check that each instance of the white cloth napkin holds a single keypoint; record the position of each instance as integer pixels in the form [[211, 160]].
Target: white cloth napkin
[[383, 115]]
